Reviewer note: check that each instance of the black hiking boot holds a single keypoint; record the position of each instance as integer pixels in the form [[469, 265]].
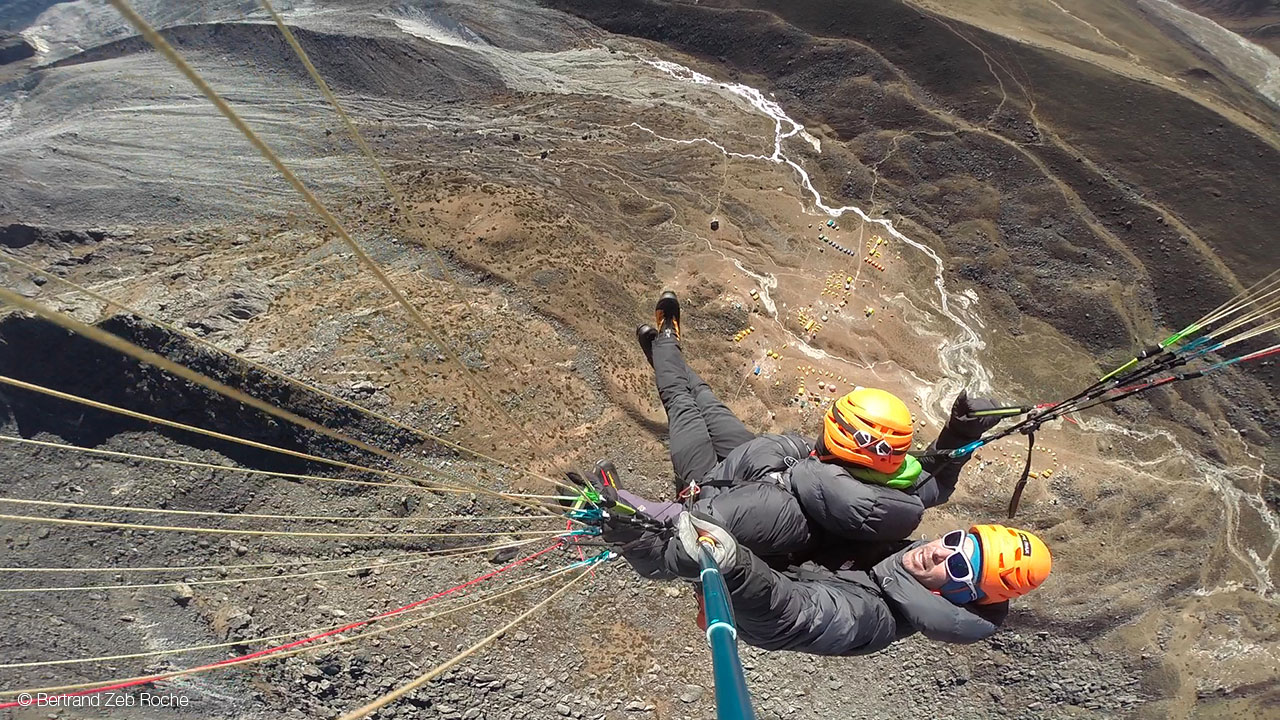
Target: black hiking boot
[[645, 335], [605, 479], [666, 314], [575, 478]]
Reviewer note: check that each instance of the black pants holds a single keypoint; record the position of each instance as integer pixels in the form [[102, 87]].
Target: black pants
[[702, 429]]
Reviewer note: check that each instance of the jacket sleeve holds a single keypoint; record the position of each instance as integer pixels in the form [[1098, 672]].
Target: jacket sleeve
[[658, 558], [762, 517], [851, 509], [762, 455], [938, 478], [822, 614], [939, 475]]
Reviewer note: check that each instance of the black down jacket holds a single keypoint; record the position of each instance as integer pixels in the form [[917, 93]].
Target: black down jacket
[[788, 507], [814, 610]]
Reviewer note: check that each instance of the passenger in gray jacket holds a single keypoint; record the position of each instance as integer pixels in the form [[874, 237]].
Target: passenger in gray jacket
[[787, 498], [953, 589]]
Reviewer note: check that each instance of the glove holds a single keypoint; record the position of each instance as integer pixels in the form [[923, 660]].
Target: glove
[[963, 428], [617, 531], [690, 527], [962, 424]]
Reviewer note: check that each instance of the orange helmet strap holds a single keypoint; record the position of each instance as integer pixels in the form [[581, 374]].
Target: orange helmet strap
[[851, 430]]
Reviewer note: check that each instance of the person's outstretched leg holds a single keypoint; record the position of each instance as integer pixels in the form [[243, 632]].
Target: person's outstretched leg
[[692, 453], [726, 430]]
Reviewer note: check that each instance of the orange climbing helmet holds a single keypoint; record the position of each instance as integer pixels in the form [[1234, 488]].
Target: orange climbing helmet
[[1014, 562], [869, 428]]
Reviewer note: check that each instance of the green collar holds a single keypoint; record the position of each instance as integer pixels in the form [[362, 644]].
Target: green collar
[[904, 479]]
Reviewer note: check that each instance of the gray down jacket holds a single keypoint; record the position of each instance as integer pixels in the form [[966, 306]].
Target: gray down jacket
[[814, 610], [788, 507]]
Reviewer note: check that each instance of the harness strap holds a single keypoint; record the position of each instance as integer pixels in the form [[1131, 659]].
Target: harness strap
[[792, 453], [1022, 481]]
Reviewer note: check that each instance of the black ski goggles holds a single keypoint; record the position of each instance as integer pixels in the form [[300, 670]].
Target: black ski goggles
[[866, 440], [879, 447]]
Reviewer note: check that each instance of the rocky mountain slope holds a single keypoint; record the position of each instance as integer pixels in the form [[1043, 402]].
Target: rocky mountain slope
[[1055, 210]]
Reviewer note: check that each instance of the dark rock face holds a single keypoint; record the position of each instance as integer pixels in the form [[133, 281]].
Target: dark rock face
[[41, 353], [20, 235], [14, 48]]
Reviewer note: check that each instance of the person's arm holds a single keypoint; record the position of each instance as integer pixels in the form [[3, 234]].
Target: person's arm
[[655, 557], [822, 615], [849, 508], [939, 475], [762, 517]]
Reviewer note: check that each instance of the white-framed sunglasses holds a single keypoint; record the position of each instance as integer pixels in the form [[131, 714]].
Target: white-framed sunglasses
[[958, 567]]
